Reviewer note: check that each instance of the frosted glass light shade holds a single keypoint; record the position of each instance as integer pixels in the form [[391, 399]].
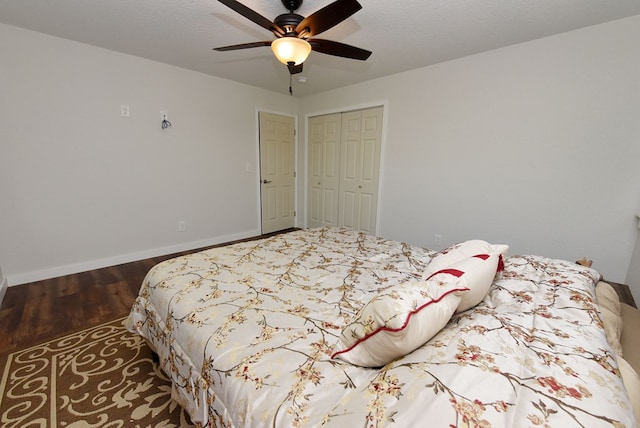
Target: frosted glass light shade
[[291, 49]]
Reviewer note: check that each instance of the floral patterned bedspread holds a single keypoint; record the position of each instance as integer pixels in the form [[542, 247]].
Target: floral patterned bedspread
[[246, 334]]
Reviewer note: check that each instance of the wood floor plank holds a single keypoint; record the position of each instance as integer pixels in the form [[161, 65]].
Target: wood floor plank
[[10, 315], [71, 306], [120, 297]]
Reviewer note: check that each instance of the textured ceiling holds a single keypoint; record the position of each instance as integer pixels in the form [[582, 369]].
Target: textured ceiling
[[403, 35]]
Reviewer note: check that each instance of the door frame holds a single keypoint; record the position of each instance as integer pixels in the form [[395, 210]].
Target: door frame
[[258, 172], [383, 144]]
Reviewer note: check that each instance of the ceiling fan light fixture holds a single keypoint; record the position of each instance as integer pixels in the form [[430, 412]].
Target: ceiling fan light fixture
[[291, 49]]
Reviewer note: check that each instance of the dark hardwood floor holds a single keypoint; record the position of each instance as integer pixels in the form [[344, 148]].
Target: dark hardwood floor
[[33, 313]]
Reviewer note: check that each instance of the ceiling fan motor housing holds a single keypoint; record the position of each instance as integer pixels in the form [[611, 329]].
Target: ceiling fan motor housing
[[288, 22]]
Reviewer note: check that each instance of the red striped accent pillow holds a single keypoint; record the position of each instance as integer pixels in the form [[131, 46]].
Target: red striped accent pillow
[[478, 273], [399, 320], [461, 251]]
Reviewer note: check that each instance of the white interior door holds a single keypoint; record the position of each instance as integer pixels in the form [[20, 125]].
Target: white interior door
[[324, 165], [359, 169], [277, 171]]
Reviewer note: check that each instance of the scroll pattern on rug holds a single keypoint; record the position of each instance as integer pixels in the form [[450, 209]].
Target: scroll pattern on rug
[[96, 377]]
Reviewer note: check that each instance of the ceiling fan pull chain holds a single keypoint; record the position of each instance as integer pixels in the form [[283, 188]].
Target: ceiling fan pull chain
[[290, 84]]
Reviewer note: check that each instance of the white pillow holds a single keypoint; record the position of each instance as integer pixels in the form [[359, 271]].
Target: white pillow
[[478, 273], [399, 320], [461, 251]]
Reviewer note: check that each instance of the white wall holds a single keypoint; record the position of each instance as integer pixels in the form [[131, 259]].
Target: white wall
[[633, 275], [535, 145], [83, 187]]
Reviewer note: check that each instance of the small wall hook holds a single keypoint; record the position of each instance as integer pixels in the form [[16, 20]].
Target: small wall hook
[[165, 122]]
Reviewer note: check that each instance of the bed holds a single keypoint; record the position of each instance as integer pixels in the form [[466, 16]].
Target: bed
[[260, 334]]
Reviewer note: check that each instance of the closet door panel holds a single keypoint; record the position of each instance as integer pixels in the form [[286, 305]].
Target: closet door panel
[[366, 210], [331, 156], [369, 170], [329, 201], [315, 205], [315, 177], [348, 210]]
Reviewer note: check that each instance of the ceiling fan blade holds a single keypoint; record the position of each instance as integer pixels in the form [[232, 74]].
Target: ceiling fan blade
[[253, 16], [327, 17], [294, 69], [330, 47], [243, 46]]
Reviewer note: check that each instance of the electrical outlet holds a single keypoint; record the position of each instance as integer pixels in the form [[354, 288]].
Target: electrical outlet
[[437, 239], [164, 115], [124, 110], [182, 226]]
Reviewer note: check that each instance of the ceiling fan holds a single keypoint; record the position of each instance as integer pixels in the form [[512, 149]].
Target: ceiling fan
[[295, 33]]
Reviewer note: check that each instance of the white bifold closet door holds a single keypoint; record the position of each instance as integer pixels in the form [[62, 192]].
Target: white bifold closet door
[[324, 166], [344, 163]]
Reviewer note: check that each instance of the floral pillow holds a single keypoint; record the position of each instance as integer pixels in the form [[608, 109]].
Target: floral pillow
[[461, 251], [399, 320]]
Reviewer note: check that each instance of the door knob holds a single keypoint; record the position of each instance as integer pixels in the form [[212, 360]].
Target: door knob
[[265, 181]]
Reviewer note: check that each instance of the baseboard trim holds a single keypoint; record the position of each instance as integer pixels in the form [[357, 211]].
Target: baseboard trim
[[39, 275], [4, 285]]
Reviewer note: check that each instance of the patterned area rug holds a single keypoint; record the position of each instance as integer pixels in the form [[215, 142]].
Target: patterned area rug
[[102, 376]]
